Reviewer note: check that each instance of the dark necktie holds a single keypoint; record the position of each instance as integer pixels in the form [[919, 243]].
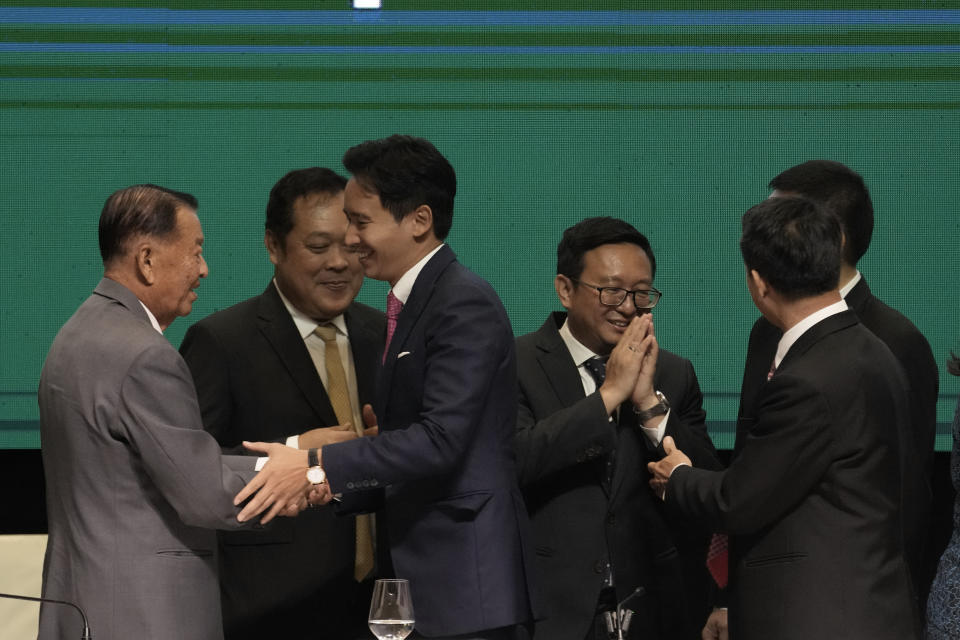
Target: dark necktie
[[394, 307], [597, 368]]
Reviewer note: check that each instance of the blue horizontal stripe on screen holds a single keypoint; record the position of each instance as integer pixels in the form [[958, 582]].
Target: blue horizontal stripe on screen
[[96, 15], [67, 47]]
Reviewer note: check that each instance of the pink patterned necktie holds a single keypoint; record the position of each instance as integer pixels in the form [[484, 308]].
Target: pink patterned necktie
[[394, 307]]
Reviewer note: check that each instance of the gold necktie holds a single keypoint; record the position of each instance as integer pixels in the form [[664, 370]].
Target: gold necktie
[[339, 394]]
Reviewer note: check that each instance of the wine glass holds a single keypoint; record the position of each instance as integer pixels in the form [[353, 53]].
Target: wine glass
[[391, 610]]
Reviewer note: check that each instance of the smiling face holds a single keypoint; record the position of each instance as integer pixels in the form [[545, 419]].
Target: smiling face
[[314, 268], [388, 248], [178, 265], [599, 327]]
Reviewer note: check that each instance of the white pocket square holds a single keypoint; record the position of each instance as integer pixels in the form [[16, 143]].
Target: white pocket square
[[402, 353]]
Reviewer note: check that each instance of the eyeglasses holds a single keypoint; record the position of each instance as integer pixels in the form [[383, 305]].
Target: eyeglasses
[[614, 296]]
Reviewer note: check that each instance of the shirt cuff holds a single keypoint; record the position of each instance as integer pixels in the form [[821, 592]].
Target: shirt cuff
[[260, 462], [655, 434], [293, 441]]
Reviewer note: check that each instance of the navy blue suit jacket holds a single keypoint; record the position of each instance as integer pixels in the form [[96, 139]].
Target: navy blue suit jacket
[[447, 408]]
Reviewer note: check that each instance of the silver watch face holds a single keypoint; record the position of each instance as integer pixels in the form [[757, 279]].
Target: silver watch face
[[316, 475]]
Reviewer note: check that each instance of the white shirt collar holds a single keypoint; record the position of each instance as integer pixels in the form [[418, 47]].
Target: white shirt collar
[[404, 285], [577, 350], [153, 318], [797, 330], [847, 288], [306, 324]]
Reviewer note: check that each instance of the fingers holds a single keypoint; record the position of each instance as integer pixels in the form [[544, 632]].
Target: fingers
[[260, 447], [370, 432], [369, 417]]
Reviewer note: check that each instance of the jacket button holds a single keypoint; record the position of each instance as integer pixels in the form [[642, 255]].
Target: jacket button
[[349, 485], [600, 566], [611, 519]]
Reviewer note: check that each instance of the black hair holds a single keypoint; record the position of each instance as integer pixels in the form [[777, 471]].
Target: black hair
[[296, 184], [794, 245], [595, 232], [840, 191], [406, 172]]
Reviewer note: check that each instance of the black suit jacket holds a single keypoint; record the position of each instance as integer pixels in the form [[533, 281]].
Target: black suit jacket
[[913, 353], [812, 499], [256, 381], [563, 441], [447, 409]]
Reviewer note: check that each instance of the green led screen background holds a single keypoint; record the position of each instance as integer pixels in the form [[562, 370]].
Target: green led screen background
[[674, 121]]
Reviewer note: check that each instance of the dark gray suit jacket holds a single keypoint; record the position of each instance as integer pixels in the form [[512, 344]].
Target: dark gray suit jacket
[[134, 484], [812, 499], [256, 381], [563, 441]]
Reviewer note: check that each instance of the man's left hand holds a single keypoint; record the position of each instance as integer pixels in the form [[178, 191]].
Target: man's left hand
[[280, 486]]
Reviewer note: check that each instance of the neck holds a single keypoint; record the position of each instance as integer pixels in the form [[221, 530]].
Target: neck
[[138, 288], [422, 249], [790, 312], [847, 272]]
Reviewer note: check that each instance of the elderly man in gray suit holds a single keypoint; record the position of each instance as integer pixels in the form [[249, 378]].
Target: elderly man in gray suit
[[134, 483]]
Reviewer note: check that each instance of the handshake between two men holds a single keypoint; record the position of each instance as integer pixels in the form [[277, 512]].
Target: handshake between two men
[[281, 487]]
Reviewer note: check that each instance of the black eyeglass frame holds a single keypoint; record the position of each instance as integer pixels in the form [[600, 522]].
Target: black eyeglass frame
[[648, 293]]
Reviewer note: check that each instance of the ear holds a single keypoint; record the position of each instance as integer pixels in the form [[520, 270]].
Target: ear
[[420, 221], [760, 285], [145, 258], [274, 246], [564, 287]]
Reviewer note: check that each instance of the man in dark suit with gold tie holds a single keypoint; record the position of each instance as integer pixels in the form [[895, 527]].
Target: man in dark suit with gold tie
[[300, 358]]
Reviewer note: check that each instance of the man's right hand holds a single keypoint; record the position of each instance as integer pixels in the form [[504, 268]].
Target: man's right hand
[[716, 627], [316, 438], [625, 363]]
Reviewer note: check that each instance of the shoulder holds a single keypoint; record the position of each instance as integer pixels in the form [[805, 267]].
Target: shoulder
[[891, 326], [365, 314]]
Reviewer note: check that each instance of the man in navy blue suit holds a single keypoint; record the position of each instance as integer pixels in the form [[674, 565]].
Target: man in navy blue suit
[[446, 403]]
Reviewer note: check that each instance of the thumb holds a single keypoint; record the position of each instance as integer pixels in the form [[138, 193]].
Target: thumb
[[668, 445], [369, 417]]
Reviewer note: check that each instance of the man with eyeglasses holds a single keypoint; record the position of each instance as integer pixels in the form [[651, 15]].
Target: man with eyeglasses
[[597, 396]]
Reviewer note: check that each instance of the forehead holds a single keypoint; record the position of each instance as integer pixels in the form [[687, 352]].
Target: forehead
[[625, 263], [318, 211], [188, 225], [359, 199]]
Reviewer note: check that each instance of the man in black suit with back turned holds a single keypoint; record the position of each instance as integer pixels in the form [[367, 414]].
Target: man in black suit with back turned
[[842, 192], [300, 358], [596, 398], [812, 499]]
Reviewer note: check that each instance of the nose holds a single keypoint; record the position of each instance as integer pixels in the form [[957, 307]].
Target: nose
[[628, 307], [203, 268], [351, 238], [337, 259]]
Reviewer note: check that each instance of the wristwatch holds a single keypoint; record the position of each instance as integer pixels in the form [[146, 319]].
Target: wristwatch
[[315, 473], [658, 409]]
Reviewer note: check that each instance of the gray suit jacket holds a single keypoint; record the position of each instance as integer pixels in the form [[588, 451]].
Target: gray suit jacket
[[133, 481]]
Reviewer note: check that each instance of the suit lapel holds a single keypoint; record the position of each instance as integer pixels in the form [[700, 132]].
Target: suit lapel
[[557, 364], [564, 377], [412, 309], [277, 327]]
